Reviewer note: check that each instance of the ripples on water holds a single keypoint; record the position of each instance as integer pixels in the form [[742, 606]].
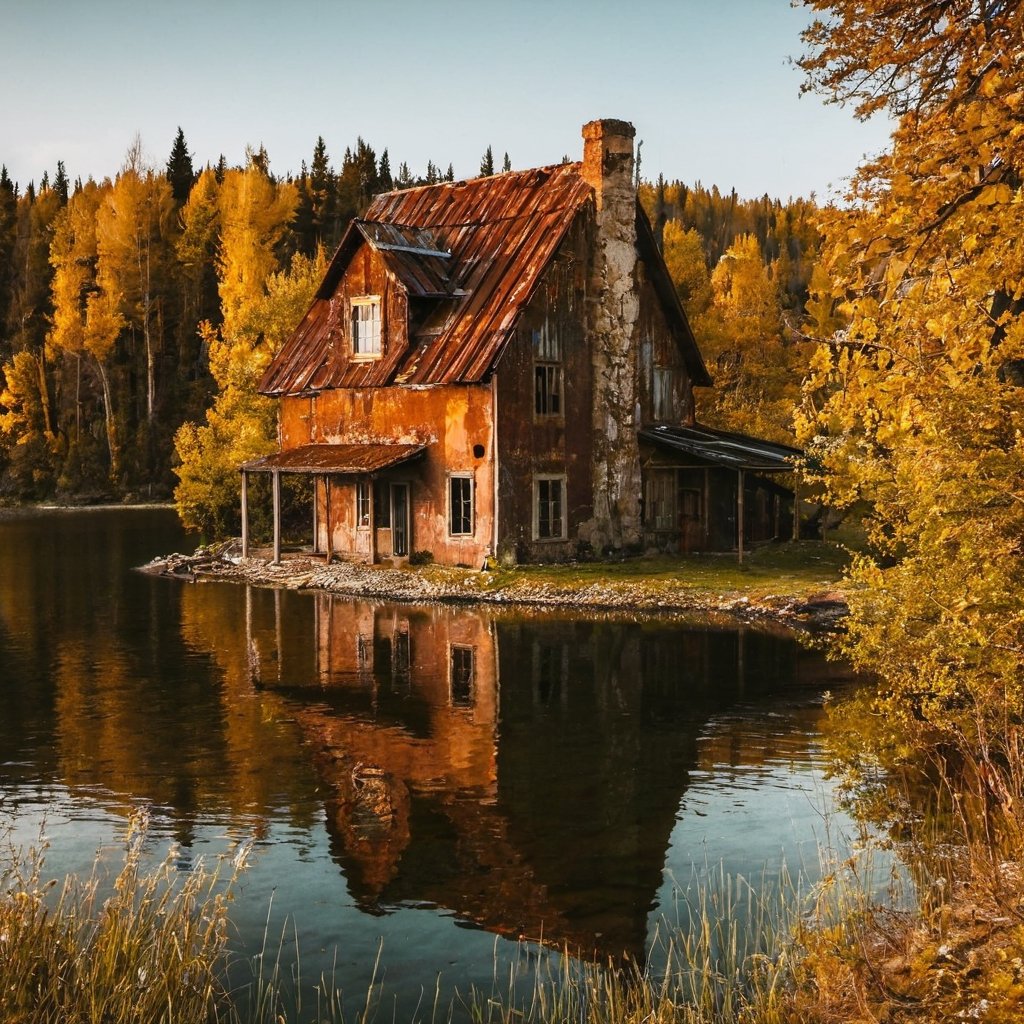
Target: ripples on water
[[425, 777]]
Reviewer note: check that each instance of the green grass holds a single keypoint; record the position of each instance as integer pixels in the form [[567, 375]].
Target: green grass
[[782, 570]]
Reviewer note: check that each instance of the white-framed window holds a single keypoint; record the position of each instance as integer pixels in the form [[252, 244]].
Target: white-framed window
[[366, 326], [462, 675], [460, 505], [549, 507], [363, 504]]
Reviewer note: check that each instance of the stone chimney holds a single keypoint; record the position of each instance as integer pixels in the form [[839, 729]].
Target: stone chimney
[[613, 311]]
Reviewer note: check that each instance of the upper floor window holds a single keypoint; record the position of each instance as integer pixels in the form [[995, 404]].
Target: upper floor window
[[547, 372], [547, 389], [366, 326]]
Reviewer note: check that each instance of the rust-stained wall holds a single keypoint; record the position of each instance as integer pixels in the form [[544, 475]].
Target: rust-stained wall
[[552, 445], [454, 421]]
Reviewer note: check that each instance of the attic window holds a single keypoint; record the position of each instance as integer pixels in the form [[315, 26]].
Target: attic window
[[366, 326]]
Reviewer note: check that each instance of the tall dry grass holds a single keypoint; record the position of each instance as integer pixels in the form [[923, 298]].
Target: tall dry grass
[[150, 946]]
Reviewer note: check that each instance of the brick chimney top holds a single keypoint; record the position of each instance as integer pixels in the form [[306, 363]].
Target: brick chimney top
[[608, 159]]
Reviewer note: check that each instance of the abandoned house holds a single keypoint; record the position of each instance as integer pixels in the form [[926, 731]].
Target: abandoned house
[[502, 368]]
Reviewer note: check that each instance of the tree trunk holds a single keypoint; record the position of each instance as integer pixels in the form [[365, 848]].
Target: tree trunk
[[108, 413]]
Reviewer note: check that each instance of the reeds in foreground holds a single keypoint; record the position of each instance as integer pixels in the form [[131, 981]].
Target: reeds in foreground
[[149, 947]]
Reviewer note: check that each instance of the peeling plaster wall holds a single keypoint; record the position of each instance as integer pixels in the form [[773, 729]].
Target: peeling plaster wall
[[613, 314]]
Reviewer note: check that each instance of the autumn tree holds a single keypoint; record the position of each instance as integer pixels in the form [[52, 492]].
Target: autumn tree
[[916, 406], [86, 318], [260, 304], [757, 369]]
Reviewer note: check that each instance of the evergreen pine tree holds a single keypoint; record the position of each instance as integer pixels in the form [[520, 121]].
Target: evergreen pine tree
[[322, 196], [487, 164], [506, 165], [449, 175], [384, 173], [180, 172], [8, 234], [60, 183]]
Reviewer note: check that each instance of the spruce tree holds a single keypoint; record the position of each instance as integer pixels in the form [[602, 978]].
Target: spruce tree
[[60, 184], [384, 173], [487, 164], [506, 165], [8, 234], [180, 172]]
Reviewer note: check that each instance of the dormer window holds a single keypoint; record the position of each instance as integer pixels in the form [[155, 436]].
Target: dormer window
[[366, 326]]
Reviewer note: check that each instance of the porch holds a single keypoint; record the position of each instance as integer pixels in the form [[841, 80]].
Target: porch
[[378, 506], [712, 490]]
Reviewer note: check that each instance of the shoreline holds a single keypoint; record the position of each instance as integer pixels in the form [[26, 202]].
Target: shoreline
[[817, 608]]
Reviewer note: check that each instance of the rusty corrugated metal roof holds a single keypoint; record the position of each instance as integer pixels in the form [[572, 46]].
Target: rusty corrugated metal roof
[[737, 451], [500, 232], [335, 458], [472, 253]]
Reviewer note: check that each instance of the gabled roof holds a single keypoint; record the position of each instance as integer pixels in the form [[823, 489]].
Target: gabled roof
[[474, 252]]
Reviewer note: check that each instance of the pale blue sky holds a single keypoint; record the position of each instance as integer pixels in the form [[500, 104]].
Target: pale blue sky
[[705, 82]]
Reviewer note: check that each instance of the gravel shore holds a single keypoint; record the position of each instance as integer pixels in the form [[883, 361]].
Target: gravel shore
[[820, 610]]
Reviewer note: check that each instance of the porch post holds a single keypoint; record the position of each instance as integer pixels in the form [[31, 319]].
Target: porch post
[[277, 516], [316, 519], [245, 514], [329, 546], [739, 516], [796, 509], [707, 509], [372, 484]]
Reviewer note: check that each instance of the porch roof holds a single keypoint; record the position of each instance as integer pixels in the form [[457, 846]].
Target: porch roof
[[335, 458], [735, 451]]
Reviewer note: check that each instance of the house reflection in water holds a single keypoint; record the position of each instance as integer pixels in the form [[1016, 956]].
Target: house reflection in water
[[521, 772]]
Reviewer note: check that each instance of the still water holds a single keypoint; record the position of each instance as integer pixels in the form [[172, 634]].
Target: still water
[[436, 781]]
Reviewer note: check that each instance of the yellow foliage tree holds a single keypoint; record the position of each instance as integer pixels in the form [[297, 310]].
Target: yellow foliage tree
[[757, 376], [917, 406], [86, 317]]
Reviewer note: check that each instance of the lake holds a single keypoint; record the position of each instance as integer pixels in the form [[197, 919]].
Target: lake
[[437, 782]]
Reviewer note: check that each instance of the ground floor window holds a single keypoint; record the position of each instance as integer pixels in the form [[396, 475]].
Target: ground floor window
[[381, 505], [363, 504], [460, 506], [549, 507]]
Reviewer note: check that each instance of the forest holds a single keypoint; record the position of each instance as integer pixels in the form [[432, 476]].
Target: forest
[[138, 311]]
